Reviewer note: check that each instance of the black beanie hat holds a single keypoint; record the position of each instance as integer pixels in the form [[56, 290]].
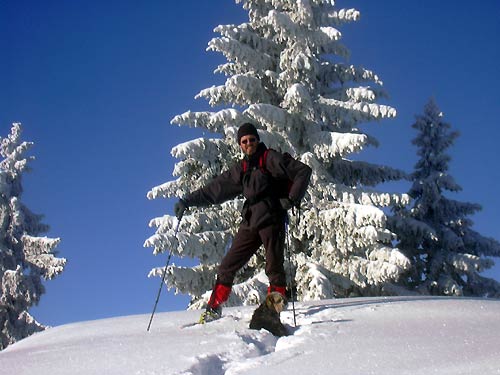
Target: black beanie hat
[[247, 129]]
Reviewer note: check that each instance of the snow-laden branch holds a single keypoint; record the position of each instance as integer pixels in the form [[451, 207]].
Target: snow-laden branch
[[207, 246], [39, 254], [241, 54], [188, 280], [272, 117], [336, 17], [206, 149], [329, 145], [239, 89], [341, 73], [246, 35], [212, 121], [358, 111], [345, 194]]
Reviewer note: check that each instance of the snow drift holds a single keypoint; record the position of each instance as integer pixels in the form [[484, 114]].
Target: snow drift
[[398, 335]]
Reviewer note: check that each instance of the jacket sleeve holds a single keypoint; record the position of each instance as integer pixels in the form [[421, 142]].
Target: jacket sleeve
[[285, 167], [222, 188]]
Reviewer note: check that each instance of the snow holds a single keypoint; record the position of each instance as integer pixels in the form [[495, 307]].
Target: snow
[[384, 335]]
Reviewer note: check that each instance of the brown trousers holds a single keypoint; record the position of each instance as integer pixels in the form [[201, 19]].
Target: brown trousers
[[246, 243]]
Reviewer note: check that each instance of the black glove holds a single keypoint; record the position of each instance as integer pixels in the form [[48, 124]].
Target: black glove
[[179, 208], [286, 203]]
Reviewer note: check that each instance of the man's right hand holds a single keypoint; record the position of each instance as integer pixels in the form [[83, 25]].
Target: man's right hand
[[179, 208]]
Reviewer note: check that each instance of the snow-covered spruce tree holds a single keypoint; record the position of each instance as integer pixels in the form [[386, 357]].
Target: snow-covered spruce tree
[[25, 257], [286, 73], [436, 234]]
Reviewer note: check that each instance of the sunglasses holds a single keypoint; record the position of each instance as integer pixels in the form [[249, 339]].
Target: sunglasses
[[248, 140]]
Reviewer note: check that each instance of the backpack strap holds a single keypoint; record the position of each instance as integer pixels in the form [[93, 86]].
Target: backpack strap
[[263, 160]]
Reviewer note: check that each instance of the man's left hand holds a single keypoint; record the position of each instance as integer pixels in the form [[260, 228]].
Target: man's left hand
[[286, 203]]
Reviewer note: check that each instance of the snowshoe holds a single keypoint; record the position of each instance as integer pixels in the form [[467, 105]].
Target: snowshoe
[[210, 315]]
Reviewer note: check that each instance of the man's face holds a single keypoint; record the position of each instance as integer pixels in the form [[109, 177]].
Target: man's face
[[248, 144]]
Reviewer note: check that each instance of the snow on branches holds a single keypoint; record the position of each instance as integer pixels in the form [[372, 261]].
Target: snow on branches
[[286, 74], [25, 257]]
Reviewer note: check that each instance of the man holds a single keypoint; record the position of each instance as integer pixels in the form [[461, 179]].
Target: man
[[262, 177]]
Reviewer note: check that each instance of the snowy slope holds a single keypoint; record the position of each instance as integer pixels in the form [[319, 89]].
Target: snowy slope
[[345, 336]]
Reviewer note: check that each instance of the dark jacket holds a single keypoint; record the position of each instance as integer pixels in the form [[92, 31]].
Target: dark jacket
[[262, 187]]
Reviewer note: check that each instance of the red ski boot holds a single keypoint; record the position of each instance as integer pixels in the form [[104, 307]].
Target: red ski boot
[[220, 294]]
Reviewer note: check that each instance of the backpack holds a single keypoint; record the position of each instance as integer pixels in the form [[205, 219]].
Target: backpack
[[284, 186]]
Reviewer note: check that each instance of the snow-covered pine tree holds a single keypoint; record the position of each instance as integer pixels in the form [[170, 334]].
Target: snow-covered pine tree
[[436, 234], [286, 73], [25, 257]]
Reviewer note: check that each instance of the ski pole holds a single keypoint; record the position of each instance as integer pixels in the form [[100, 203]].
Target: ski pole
[[287, 219], [164, 275]]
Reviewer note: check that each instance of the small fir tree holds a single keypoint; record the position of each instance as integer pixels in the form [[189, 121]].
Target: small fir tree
[[287, 74], [436, 232], [25, 257]]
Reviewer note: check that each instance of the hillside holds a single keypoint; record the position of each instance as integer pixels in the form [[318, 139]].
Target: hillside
[[403, 335]]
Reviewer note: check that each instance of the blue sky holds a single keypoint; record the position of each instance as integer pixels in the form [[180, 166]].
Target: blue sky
[[96, 83]]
